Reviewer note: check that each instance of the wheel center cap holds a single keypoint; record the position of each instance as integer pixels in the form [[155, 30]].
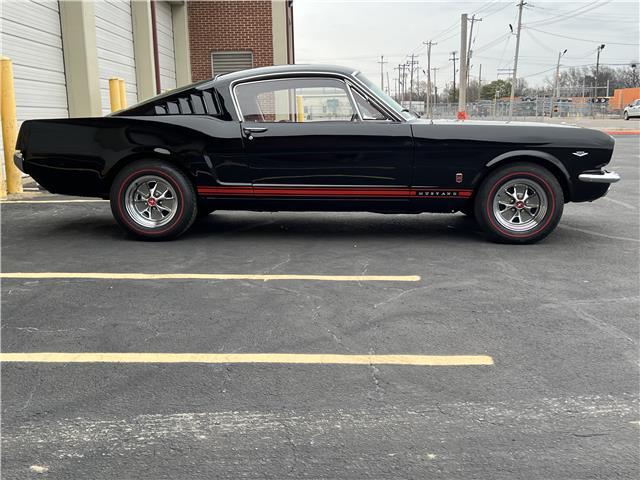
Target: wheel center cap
[[519, 204], [151, 202]]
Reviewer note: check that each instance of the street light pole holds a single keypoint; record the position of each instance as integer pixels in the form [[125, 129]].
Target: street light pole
[[595, 86], [556, 86]]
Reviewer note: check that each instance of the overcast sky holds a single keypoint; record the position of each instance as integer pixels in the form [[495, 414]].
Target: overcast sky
[[356, 32]]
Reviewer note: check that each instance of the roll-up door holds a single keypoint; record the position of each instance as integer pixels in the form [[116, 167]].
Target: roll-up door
[[166, 49], [114, 39], [31, 37]]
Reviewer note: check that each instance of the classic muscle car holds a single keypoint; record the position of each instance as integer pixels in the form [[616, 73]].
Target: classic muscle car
[[312, 138]]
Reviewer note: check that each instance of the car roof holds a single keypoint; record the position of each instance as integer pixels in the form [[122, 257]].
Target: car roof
[[227, 78]]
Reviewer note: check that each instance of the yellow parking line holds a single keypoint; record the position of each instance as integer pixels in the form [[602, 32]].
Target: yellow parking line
[[286, 358], [208, 276], [92, 200]]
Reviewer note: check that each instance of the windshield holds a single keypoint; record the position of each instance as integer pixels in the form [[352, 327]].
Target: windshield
[[387, 98]]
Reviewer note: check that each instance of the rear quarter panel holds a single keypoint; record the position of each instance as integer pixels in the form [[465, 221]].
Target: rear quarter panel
[[80, 156]]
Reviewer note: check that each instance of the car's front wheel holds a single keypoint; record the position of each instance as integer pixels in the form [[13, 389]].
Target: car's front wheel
[[626, 115], [153, 200], [520, 203]]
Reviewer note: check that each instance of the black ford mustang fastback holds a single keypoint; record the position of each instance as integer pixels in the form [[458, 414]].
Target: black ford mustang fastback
[[312, 138]]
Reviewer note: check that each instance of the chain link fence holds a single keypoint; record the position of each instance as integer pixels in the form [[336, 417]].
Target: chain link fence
[[524, 109]]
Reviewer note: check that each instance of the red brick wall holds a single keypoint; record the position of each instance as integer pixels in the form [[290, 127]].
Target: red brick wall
[[238, 25]]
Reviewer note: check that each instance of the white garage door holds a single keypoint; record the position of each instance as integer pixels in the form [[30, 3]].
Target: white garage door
[[114, 39], [31, 38], [166, 50]]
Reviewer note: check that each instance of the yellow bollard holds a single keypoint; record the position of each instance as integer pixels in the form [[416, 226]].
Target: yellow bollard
[[299, 109], [9, 127], [114, 94], [123, 93]]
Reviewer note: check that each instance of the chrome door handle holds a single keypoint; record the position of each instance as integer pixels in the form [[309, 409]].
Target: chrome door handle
[[249, 131]]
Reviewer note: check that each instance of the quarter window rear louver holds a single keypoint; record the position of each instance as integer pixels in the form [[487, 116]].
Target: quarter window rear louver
[[196, 103]]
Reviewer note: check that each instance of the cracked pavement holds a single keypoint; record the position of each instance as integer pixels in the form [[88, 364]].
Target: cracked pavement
[[559, 318]]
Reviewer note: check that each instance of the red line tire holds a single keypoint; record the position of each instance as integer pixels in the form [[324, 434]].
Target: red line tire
[[181, 202], [529, 193]]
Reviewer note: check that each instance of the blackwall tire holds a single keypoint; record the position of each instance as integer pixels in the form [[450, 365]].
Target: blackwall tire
[[521, 203], [153, 200], [626, 115]]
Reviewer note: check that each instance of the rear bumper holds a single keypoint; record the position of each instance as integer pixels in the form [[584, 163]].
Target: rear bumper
[[599, 177], [18, 159]]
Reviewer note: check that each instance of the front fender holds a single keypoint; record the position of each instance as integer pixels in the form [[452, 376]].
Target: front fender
[[541, 158]]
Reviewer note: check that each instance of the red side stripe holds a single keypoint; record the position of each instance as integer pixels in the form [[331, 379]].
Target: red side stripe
[[330, 192]]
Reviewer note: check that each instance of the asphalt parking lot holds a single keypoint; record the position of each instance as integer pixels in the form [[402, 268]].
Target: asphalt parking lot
[[559, 320]]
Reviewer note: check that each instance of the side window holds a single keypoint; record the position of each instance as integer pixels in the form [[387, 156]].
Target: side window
[[368, 110], [295, 100]]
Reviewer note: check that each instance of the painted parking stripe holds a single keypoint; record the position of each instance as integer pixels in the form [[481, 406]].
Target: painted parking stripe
[[226, 358], [92, 200], [206, 276]]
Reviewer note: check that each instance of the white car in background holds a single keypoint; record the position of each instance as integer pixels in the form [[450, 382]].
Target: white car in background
[[632, 110]]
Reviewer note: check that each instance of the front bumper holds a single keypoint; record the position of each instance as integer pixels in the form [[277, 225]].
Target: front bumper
[[599, 177]]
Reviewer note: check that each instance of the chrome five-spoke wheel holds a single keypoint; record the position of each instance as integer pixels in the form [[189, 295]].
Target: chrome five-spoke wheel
[[520, 205], [151, 201]]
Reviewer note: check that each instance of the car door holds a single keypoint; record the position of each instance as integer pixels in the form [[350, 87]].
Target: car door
[[306, 139], [634, 110]]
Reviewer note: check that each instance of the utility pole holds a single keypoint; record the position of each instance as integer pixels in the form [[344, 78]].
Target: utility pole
[[556, 86], [412, 63], [429, 44], [453, 58], [388, 85], [480, 83], [398, 82], [462, 96], [404, 82], [435, 87], [400, 92], [382, 62], [515, 59], [469, 51]]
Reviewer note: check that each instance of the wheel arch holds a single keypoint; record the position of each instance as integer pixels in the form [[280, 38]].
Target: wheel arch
[[543, 159], [138, 156]]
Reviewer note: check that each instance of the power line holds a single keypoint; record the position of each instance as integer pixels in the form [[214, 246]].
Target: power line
[[562, 16], [590, 40]]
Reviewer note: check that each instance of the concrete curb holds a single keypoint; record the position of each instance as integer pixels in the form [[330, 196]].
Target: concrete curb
[[622, 132]]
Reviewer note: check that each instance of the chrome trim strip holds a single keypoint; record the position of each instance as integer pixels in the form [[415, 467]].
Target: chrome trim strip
[[372, 100], [352, 99], [604, 177], [280, 75]]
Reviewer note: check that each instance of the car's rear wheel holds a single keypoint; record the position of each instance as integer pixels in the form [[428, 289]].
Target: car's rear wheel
[[153, 200], [520, 203], [626, 115]]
